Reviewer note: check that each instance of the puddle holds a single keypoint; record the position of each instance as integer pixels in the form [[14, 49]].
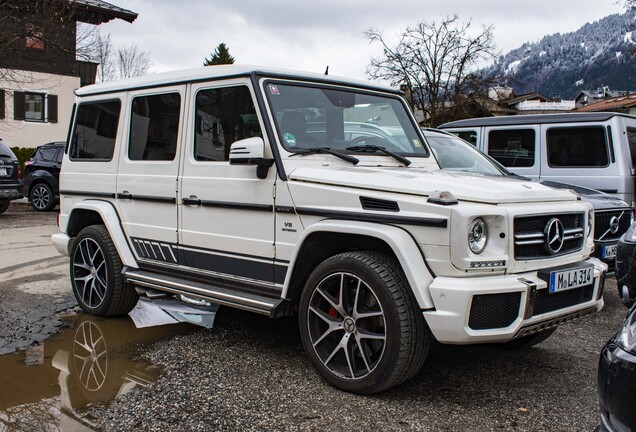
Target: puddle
[[48, 386]]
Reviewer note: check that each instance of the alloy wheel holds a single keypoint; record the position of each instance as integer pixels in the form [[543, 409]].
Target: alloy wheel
[[90, 356], [347, 327], [40, 197], [90, 272]]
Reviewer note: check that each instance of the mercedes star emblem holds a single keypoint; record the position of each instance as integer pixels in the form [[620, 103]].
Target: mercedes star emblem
[[554, 236]]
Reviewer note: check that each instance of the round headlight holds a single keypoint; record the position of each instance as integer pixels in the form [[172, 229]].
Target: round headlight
[[477, 235]]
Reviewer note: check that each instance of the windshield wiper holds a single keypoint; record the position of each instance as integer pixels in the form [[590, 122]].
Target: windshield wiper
[[352, 159], [374, 149]]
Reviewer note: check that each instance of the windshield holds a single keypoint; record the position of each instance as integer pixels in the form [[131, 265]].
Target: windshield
[[455, 154], [310, 117]]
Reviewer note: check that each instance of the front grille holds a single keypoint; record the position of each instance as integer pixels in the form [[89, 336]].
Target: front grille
[[602, 221], [488, 311], [530, 237], [545, 302]]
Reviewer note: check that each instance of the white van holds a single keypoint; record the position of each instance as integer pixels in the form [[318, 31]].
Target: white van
[[263, 189], [594, 150]]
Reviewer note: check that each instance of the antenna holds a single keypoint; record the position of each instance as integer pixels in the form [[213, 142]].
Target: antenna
[[327, 70]]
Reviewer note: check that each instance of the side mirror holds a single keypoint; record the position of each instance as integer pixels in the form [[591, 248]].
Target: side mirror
[[250, 151]]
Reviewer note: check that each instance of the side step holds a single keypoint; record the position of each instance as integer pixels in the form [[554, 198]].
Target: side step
[[226, 296]]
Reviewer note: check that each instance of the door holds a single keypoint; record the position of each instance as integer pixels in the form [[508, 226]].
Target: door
[[579, 154], [148, 169], [227, 212]]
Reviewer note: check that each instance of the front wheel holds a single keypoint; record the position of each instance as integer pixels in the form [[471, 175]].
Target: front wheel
[[96, 274], [360, 325]]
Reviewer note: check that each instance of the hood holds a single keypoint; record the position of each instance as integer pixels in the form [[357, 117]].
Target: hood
[[415, 181], [599, 200]]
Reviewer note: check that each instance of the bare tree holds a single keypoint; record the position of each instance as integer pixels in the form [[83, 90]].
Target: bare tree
[[438, 62], [132, 62]]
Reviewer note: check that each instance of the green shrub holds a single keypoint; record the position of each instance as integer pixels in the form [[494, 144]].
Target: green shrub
[[22, 153]]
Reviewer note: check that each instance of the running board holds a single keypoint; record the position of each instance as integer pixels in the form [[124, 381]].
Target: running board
[[226, 296]]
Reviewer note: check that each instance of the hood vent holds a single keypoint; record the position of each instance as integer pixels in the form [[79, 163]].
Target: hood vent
[[375, 204]]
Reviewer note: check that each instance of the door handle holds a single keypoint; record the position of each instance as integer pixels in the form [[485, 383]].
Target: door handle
[[124, 195], [192, 200]]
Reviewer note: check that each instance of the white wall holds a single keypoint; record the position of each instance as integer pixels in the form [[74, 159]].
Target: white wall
[[22, 133]]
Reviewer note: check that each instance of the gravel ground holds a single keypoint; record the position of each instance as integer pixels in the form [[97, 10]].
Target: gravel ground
[[250, 373]]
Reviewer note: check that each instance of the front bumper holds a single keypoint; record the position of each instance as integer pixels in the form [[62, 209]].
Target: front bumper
[[61, 242], [505, 307], [617, 389]]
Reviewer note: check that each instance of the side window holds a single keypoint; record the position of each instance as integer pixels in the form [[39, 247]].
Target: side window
[[631, 139], [60, 155], [47, 153], [577, 147], [470, 136], [223, 115], [95, 131], [514, 148], [154, 127]]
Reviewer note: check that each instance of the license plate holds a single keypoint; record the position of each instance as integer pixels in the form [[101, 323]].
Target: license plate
[[569, 279], [609, 251], [3, 172]]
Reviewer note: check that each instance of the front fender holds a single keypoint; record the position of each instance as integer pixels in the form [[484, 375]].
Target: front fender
[[109, 216], [399, 240]]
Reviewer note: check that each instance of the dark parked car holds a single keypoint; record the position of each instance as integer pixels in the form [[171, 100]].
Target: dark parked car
[[10, 177], [617, 379], [42, 175], [612, 216], [625, 271]]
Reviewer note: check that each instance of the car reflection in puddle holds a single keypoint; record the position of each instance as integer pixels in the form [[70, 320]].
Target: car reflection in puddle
[[49, 386]]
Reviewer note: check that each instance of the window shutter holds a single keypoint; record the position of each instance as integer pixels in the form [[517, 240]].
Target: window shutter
[[52, 108], [1, 104], [18, 105]]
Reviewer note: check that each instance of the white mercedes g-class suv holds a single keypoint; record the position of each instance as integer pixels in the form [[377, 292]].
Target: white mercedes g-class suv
[[281, 192]]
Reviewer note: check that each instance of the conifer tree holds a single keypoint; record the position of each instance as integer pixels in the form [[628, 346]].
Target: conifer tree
[[220, 56]]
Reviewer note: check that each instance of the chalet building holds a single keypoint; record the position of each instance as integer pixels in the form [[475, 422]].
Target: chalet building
[[38, 69], [590, 97], [625, 104]]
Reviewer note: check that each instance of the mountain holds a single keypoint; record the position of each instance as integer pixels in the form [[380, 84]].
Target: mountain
[[602, 53]]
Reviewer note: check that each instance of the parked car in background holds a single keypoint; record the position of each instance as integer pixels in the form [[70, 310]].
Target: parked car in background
[[42, 175], [612, 216], [10, 177], [625, 271], [617, 379], [595, 150]]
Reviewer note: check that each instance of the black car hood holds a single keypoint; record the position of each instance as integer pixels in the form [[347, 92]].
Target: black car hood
[[599, 200]]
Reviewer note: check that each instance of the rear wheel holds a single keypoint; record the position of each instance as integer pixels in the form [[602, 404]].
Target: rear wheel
[[4, 205], [96, 274], [360, 324], [41, 197]]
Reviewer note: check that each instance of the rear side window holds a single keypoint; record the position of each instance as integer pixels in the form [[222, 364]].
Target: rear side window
[[470, 136], [5, 151], [154, 127], [223, 115], [46, 153], [577, 147], [514, 148], [95, 131], [631, 139]]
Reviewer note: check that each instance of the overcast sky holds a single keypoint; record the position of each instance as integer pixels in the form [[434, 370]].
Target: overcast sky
[[311, 35]]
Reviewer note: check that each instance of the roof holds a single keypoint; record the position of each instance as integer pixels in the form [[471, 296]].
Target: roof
[[524, 97], [534, 119], [211, 73], [98, 12], [627, 101]]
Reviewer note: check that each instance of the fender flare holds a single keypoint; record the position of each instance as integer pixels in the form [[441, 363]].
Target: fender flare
[[399, 240], [112, 223]]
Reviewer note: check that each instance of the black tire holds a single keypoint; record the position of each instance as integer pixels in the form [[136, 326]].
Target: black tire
[[96, 274], [41, 197], [360, 325], [4, 205], [528, 341]]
